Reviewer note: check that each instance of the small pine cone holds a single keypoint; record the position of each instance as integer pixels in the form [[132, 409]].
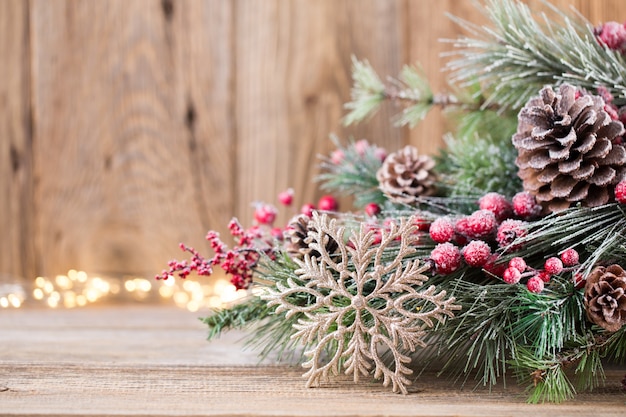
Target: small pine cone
[[297, 238], [406, 175], [605, 297], [566, 149]]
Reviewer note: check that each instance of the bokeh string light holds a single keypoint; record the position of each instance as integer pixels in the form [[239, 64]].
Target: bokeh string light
[[78, 289]]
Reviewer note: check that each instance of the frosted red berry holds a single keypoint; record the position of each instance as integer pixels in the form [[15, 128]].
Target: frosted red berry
[[481, 225], [511, 275], [535, 284], [447, 258], [620, 192], [509, 231], [518, 263], [497, 204], [525, 205], [476, 253], [286, 197], [570, 257], [372, 209], [307, 209], [553, 265], [328, 203], [265, 213], [545, 276], [494, 267], [337, 156], [441, 230]]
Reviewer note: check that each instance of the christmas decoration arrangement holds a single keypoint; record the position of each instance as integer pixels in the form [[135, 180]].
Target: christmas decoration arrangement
[[502, 257]]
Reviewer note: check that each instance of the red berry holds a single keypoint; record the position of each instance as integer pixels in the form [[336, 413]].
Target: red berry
[[462, 226], [447, 258], [553, 265], [620, 192], [422, 224], [265, 214], [476, 253], [570, 257], [509, 231], [441, 230], [307, 209], [481, 224], [328, 203], [518, 263], [497, 204], [277, 233], [525, 205], [372, 209], [337, 156], [511, 275], [579, 281], [535, 284], [286, 197], [545, 276], [494, 267]]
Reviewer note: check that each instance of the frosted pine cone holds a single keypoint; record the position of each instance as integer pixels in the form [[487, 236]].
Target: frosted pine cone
[[605, 297], [406, 175], [566, 149], [297, 238]]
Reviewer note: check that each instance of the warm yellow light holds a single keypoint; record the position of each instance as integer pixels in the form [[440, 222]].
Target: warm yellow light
[[40, 282], [170, 282], [130, 285], [91, 294], [193, 306], [53, 302], [4, 302], [48, 287], [181, 298], [72, 274], [81, 301], [115, 288], [215, 301], [69, 299], [38, 294], [81, 276], [14, 300], [143, 284], [166, 292], [63, 282]]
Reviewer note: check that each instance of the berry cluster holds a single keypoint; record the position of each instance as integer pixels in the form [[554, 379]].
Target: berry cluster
[[237, 262], [478, 240], [536, 279], [496, 225]]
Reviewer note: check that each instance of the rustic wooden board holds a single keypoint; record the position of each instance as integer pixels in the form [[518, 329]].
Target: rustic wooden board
[[292, 79], [17, 260], [134, 135], [151, 360]]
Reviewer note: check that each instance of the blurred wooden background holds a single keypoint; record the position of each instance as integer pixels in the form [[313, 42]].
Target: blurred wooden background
[[127, 126]]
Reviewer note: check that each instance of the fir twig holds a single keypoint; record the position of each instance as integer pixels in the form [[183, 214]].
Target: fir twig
[[523, 52]]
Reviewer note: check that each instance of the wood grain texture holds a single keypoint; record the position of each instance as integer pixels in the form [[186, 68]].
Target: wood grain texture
[[17, 256], [292, 79], [143, 361], [134, 136]]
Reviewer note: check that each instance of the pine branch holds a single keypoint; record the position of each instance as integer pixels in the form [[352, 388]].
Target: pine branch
[[522, 52], [354, 174]]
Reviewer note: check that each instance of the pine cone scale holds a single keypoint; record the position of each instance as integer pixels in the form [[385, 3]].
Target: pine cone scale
[[605, 298]]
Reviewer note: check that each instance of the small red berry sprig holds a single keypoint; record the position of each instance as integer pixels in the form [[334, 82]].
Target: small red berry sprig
[[536, 279], [239, 261]]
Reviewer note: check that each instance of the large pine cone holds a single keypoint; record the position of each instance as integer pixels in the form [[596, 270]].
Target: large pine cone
[[605, 297], [405, 175], [566, 152], [297, 238]]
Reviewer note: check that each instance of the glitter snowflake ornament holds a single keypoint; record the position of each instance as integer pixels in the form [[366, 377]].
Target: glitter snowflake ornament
[[366, 301]]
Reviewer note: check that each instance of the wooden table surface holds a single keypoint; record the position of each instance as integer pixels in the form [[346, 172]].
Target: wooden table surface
[[154, 360]]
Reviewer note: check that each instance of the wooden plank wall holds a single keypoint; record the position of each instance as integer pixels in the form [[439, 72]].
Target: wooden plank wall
[[127, 126]]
